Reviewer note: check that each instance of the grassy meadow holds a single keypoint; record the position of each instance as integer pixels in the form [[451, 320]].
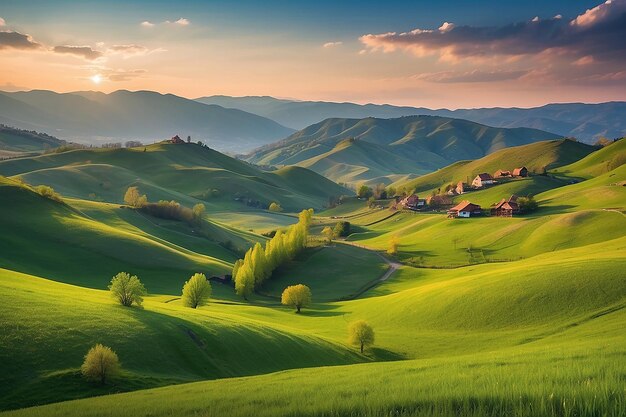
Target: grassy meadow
[[486, 316]]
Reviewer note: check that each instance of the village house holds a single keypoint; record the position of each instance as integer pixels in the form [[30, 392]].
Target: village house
[[413, 202], [460, 187], [176, 139], [506, 208], [502, 174], [520, 172], [465, 209], [482, 180]]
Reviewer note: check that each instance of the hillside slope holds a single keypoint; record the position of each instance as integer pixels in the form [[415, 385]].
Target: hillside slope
[[93, 117], [14, 142], [186, 173], [426, 141]]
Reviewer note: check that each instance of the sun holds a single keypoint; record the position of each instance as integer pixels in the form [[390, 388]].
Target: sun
[[96, 79]]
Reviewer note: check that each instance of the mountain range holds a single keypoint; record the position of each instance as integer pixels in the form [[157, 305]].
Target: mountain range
[[94, 117], [382, 150], [586, 122]]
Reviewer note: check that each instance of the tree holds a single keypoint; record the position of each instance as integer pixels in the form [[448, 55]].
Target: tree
[[100, 364], [393, 246], [380, 192], [236, 267], [198, 211], [49, 193], [134, 199], [342, 229], [275, 207], [360, 333], [297, 296], [527, 204], [127, 289], [196, 291], [328, 234], [364, 191], [244, 281]]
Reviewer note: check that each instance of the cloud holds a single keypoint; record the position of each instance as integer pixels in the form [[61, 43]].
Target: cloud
[[119, 75], [332, 44], [147, 24], [82, 51], [599, 32], [475, 76], [15, 40], [130, 49], [2, 22], [446, 27], [181, 22]]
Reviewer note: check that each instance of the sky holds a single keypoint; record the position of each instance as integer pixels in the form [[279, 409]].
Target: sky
[[452, 54]]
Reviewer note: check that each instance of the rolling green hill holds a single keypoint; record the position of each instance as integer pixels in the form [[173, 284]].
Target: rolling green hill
[[17, 141], [411, 145], [537, 157], [186, 173], [600, 162]]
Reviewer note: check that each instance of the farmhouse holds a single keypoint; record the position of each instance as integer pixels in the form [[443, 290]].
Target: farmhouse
[[520, 172], [465, 209], [506, 208], [176, 139], [413, 202], [502, 174], [482, 180]]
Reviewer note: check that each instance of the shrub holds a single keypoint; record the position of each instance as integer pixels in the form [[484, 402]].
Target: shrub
[[297, 296], [275, 207], [197, 212], [360, 333], [127, 289], [527, 204], [342, 229], [364, 192], [49, 193], [328, 234], [171, 210], [100, 364], [196, 291], [134, 199]]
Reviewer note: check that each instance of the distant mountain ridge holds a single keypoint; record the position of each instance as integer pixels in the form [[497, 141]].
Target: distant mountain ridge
[[587, 122], [380, 149], [94, 117]]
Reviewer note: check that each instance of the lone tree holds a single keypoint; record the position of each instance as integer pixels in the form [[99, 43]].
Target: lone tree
[[297, 296], [328, 234], [360, 333], [393, 246], [100, 364], [196, 291], [127, 289], [134, 199], [197, 213]]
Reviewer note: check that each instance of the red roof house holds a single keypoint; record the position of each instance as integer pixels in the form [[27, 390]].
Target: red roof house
[[465, 209]]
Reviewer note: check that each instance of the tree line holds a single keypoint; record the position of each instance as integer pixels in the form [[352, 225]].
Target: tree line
[[259, 262]]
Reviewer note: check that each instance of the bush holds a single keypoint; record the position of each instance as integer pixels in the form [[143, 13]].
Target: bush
[[134, 199], [49, 193], [196, 291], [360, 333], [171, 210], [328, 233], [364, 192], [527, 204], [127, 289], [100, 364], [275, 207], [297, 296], [342, 229]]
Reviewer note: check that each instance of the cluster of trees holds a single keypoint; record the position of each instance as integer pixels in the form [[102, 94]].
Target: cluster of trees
[[133, 144], [341, 229], [165, 209], [258, 263], [527, 204]]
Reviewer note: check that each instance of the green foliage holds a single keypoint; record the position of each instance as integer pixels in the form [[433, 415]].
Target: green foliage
[[48, 192], [360, 333], [527, 204], [393, 245], [196, 291], [134, 199], [173, 210], [100, 364], [297, 296], [328, 233], [127, 289], [259, 263], [364, 191], [275, 207], [342, 229], [198, 211]]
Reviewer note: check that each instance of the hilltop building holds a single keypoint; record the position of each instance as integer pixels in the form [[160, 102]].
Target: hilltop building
[[482, 180], [465, 209], [176, 139]]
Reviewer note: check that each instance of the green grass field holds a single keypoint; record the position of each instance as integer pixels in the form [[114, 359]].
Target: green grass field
[[486, 316]]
